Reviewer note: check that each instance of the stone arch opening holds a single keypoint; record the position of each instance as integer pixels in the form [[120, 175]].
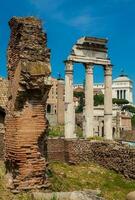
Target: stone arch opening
[[113, 132], [49, 108]]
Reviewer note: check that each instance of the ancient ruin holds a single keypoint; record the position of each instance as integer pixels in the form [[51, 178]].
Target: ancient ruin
[[26, 125], [88, 51], [3, 102]]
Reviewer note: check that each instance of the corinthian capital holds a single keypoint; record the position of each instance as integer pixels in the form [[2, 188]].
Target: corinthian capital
[[89, 67], [108, 70], [68, 66]]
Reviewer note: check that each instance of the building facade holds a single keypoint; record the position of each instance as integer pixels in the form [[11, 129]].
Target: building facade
[[121, 120], [55, 102], [122, 88], [56, 105]]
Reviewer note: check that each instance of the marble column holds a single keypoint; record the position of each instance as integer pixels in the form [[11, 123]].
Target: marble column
[[108, 103], [88, 110], [69, 103]]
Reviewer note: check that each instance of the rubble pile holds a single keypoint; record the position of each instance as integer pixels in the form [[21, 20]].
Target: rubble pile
[[28, 67]]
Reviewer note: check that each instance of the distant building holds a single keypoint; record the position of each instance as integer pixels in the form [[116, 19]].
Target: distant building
[[122, 88], [121, 120], [3, 103], [55, 102]]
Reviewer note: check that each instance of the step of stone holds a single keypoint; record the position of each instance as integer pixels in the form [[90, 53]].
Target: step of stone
[[76, 195]]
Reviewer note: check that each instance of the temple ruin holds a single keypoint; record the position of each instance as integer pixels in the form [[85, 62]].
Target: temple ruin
[[89, 51], [26, 124]]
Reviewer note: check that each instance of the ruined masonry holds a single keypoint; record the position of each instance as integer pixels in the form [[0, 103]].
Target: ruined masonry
[[28, 71]]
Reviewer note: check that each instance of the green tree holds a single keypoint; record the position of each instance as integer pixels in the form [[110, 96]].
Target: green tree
[[129, 108], [133, 122], [120, 102], [80, 96], [98, 99]]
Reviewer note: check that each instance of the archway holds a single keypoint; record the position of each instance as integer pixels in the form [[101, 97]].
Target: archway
[[48, 108]]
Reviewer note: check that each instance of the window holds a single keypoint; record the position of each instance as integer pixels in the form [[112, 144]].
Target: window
[[124, 94], [117, 94], [48, 108], [120, 94]]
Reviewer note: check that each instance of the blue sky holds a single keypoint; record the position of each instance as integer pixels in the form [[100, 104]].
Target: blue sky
[[67, 20]]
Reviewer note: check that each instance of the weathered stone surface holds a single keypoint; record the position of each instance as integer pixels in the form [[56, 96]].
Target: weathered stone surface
[[3, 93], [3, 103], [76, 195], [26, 125], [131, 196], [128, 135]]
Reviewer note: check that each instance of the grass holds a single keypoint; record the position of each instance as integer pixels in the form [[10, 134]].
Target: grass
[[99, 138], [113, 186], [5, 194], [66, 177], [56, 131]]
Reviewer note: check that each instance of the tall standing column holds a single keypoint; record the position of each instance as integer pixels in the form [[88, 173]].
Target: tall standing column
[[108, 103], [88, 126], [69, 103]]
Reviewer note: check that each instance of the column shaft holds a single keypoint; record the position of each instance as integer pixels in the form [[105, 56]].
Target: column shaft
[[69, 103], [88, 126], [108, 103]]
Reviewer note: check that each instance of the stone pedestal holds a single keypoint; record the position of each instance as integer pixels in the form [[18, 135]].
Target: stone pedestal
[[69, 103], [88, 111], [108, 103]]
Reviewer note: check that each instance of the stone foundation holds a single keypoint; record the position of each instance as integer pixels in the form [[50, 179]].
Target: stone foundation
[[111, 155]]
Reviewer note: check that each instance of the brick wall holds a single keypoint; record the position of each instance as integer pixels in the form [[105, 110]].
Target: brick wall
[[26, 124], [56, 149], [111, 155], [128, 135], [1, 146]]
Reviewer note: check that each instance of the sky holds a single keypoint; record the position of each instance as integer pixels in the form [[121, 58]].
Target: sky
[[65, 21]]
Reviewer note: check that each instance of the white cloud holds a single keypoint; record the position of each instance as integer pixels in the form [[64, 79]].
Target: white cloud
[[54, 9], [81, 20], [47, 5]]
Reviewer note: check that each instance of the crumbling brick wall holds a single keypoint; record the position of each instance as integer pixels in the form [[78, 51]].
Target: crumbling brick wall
[[26, 125], [111, 155]]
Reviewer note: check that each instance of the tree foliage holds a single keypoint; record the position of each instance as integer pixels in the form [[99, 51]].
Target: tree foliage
[[80, 96], [120, 102], [98, 99], [129, 108], [133, 121]]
